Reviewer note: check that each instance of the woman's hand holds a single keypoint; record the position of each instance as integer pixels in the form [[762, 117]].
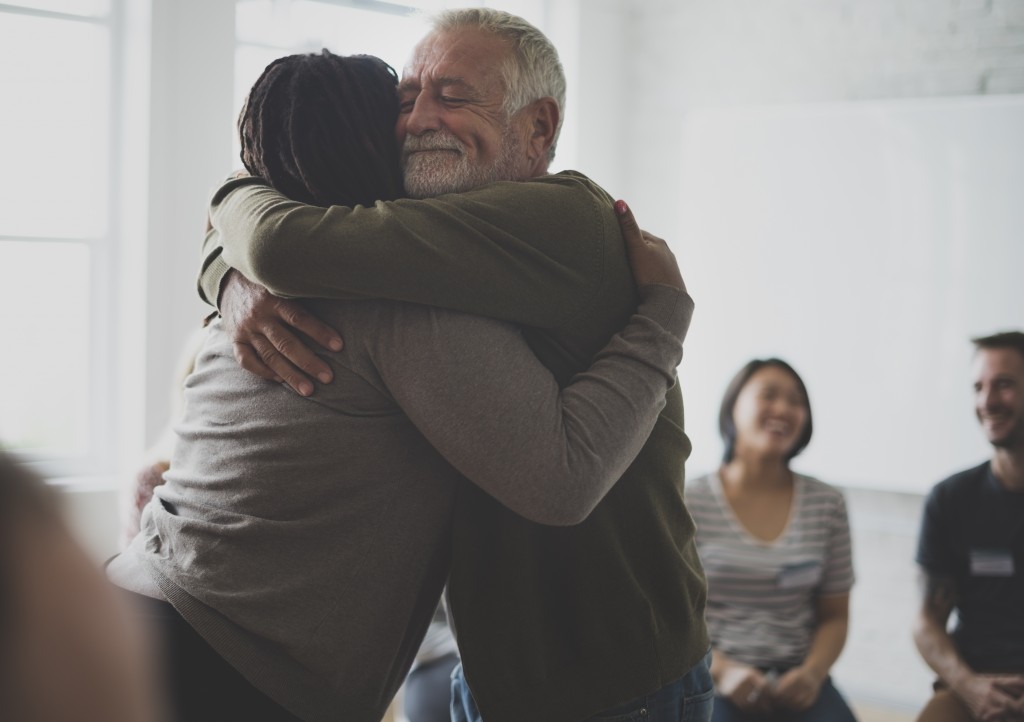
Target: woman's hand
[[798, 688], [746, 688], [650, 257]]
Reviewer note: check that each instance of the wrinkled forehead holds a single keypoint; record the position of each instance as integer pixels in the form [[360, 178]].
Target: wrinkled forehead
[[471, 56]]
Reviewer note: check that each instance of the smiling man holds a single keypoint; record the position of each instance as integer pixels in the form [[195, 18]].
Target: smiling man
[[971, 554], [455, 126]]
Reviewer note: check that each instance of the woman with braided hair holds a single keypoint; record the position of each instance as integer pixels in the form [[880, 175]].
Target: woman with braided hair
[[320, 129]]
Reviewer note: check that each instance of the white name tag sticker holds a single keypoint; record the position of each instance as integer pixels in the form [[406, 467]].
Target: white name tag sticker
[[804, 574], [992, 563]]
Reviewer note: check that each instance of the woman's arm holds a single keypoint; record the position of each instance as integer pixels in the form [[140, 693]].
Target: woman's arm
[[799, 687]]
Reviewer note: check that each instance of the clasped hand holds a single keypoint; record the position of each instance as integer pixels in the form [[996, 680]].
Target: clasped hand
[[755, 692]]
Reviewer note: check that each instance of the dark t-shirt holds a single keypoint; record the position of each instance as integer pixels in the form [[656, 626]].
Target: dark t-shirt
[[972, 531]]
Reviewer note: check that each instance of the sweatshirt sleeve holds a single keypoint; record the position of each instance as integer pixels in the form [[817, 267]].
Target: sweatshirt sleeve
[[530, 252], [474, 389]]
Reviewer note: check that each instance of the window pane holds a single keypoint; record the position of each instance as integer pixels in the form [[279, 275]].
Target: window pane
[[54, 136], [44, 370], [305, 26], [85, 8]]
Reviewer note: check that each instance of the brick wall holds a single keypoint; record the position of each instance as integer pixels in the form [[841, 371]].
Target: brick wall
[[728, 51], [692, 53]]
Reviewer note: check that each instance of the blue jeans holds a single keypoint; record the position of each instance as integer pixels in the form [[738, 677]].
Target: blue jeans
[[427, 696], [688, 699], [829, 707]]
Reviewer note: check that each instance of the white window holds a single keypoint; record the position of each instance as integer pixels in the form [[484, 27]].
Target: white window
[[56, 233]]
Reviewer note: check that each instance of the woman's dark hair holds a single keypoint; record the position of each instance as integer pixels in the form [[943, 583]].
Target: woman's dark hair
[[726, 424], [320, 128]]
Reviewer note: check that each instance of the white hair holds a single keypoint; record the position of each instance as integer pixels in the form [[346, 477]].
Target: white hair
[[533, 70]]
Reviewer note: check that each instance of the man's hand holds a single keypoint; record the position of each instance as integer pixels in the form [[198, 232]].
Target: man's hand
[[798, 688], [746, 688], [650, 257], [262, 328], [1012, 684], [993, 698]]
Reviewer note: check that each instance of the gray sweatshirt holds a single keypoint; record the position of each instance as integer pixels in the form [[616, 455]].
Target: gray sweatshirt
[[308, 539]]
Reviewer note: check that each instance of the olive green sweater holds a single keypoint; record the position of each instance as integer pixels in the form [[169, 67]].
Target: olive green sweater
[[553, 623]]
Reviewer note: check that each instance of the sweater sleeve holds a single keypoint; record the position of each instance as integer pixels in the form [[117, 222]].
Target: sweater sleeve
[[474, 389], [530, 252]]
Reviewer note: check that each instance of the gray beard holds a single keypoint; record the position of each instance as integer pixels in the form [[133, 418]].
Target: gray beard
[[450, 170]]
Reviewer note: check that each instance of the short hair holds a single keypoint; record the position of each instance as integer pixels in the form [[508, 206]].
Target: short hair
[[1005, 339], [320, 128], [533, 70], [726, 424]]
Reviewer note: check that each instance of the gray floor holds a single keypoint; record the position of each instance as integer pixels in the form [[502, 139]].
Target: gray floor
[[880, 669]]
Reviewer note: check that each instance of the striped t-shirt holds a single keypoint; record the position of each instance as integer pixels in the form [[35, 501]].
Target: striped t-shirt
[[762, 595]]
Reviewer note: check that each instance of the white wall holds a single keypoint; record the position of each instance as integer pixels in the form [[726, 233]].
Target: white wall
[[866, 242], [192, 83], [764, 135], [592, 38]]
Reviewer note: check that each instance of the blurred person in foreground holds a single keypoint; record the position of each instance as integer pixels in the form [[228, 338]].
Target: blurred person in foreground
[[69, 650], [971, 556], [605, 618], [776, 549], [295, 555]]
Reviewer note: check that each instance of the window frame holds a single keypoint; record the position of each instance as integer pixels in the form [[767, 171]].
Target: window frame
[[98, 457]]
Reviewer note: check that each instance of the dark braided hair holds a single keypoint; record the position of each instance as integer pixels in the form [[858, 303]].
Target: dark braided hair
[[320, 128]]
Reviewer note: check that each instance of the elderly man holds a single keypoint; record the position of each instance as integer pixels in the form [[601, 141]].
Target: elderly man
[[971, 553], [554, 623]]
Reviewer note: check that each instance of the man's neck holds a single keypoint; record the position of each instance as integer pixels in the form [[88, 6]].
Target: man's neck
[[1008, 468]]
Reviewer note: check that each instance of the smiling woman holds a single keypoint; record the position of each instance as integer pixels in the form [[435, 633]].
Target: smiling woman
[[776, 550]]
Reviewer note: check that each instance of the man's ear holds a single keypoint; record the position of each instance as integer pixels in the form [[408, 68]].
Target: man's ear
[[544, 116]]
